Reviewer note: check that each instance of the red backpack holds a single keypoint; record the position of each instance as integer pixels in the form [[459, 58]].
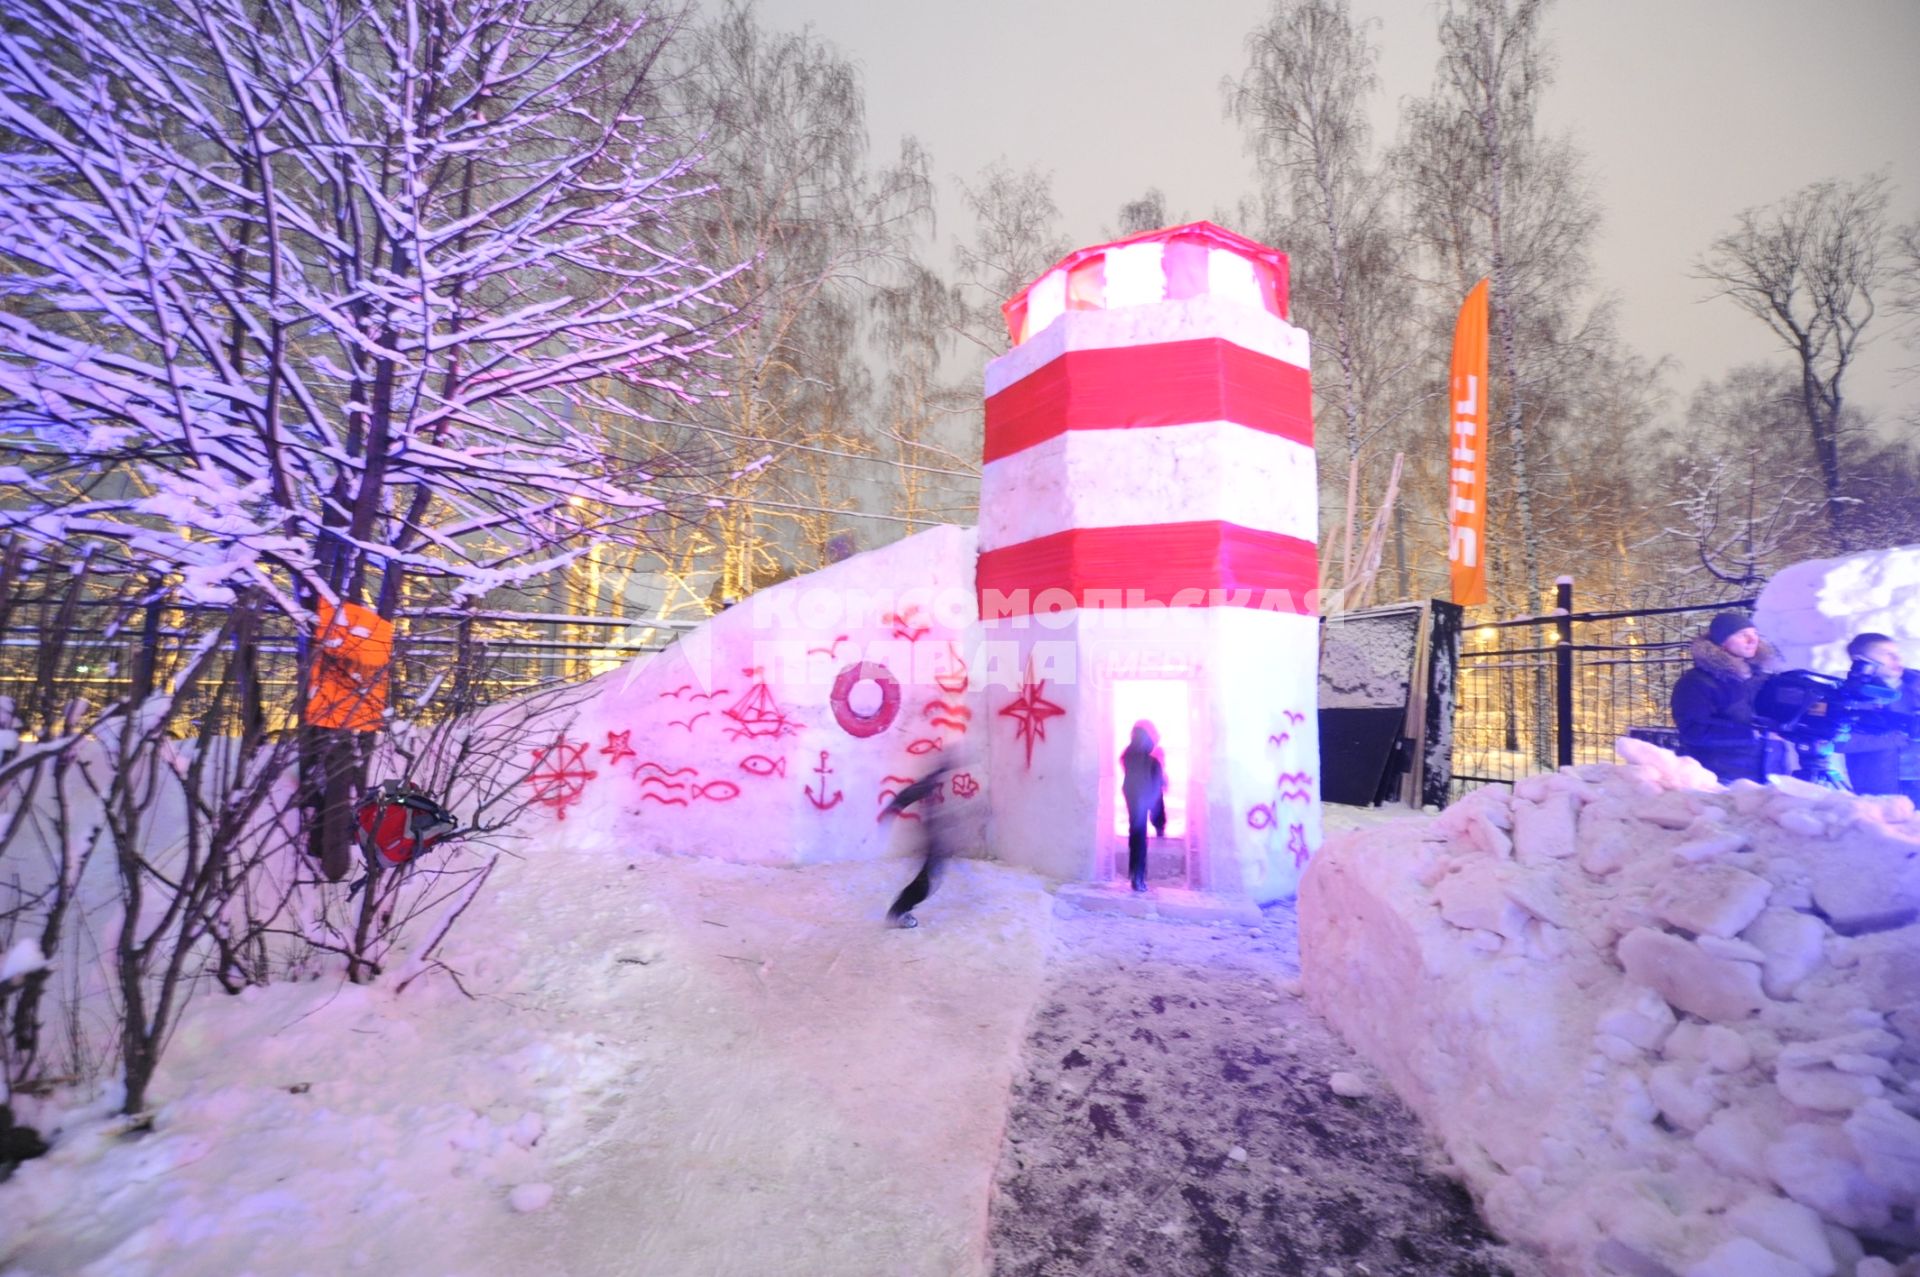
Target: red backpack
[[399, 820]]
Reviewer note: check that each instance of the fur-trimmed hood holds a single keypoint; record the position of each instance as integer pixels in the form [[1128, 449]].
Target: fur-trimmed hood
[[1714, 659]]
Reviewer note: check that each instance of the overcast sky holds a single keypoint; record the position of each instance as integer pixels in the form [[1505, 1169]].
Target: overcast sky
[[1688, 110]]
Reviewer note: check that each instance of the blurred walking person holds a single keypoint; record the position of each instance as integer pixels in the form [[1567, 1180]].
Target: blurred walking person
[[928, 791]]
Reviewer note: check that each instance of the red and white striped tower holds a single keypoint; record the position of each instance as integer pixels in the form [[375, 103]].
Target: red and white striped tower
[[1148, 518]]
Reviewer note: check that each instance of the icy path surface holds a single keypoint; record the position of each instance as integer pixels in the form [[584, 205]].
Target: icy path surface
[[1176, 1117]]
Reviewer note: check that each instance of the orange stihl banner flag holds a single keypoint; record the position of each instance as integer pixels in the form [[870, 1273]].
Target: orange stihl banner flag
[[1467, 461]]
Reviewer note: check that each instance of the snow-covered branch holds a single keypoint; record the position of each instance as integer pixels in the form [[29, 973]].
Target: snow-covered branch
[[322, 288]]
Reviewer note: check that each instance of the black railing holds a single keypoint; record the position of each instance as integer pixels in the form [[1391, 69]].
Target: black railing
[[1540, 692], [111, 651]]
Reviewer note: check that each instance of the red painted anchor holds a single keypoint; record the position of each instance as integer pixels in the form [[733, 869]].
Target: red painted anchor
[[821, 800]]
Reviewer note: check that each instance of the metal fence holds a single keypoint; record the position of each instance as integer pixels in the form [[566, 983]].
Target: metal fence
[[109, 650], [1531, 693], [1539, 692]]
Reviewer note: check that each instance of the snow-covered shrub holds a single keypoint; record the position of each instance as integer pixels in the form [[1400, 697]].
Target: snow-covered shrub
[[157, 844], [477, 762]]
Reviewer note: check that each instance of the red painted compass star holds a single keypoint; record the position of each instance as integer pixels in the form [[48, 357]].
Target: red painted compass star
[[1030, 711], [619, 745]]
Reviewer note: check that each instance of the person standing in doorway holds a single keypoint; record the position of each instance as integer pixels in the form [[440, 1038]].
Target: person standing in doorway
[[1160, 808], [1143, 783]]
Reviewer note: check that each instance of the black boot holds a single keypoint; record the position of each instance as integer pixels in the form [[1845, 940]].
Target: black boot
[[1137, 856]]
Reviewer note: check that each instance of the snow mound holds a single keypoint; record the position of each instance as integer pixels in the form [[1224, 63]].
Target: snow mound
[[1665, 1028], [1810, 610], [797, 715], [660, 1064]]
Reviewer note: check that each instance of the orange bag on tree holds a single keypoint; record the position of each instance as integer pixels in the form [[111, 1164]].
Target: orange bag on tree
[[353, 655]]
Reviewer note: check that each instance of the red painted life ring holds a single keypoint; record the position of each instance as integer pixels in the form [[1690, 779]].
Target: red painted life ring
[[856, 723]]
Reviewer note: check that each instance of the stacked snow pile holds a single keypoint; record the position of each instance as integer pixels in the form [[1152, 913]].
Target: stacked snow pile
[[1664, 1027], [1810, 610]]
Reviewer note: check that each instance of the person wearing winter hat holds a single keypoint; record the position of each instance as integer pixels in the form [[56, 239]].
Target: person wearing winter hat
[[1713, 702]]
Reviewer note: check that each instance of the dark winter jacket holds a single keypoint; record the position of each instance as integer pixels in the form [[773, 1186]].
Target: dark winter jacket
[[1142, 779], [919, 789], [1874, 760], [1713, 710]]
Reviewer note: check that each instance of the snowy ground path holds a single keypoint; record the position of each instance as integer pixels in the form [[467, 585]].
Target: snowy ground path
[[1175, 1118], [806, 1091], [673, 1066]]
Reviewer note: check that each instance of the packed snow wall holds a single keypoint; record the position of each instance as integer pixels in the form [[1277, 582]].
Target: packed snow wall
[[778, 731], [1147, 551], [1810, 610], [1663, 1027]]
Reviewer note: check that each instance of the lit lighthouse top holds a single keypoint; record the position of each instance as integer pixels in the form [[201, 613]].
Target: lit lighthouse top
[[1173, 263]]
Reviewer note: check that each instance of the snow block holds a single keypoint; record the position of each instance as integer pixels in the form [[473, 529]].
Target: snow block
[[1714, 1080], [1711, 900], [1690, 978], [1888, 1142], [1809, 611], [1794, 945]]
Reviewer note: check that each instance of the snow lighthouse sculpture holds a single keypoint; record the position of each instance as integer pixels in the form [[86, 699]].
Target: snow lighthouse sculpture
[[1147, 530]]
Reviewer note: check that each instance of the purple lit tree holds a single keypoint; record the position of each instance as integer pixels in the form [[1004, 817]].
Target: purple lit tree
[[311, 297], [310, 300]]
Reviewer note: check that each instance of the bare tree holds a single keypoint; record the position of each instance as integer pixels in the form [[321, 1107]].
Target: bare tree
[[1885, 492], [783, 118], [926, 418], [1303, 102], [303, 303], [230, 786], [1747, 502], [314, 299], [1488, 193], [1905, 305], [48, 833], [1147, 213], [1488, 196], [355, 292], [1813, 269], [1016, 236]]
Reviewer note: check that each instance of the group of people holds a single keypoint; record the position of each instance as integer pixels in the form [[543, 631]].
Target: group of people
[[1713, 710]]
